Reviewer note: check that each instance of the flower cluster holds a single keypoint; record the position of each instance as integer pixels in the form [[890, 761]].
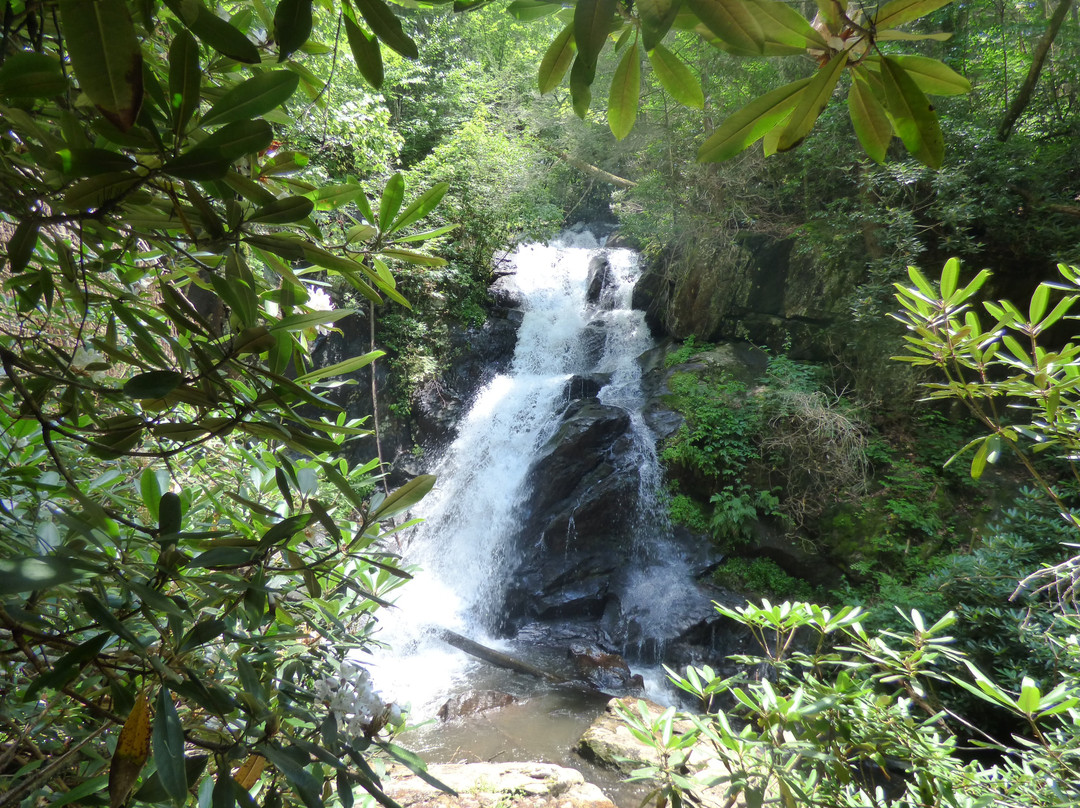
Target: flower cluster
[[357, 707]]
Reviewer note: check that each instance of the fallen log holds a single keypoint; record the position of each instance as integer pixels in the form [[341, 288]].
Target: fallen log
[[499, 659]]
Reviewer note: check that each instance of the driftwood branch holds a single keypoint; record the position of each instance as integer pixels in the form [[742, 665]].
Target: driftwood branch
[[498, 658], [593, 171]]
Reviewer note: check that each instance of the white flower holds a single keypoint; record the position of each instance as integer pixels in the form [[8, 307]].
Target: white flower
[[84, 358]]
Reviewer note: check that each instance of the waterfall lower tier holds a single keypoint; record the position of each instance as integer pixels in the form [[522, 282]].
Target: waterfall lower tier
[[547, 530]]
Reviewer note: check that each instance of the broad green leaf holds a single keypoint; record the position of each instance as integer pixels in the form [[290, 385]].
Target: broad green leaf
[[913, 116], [813, 101], [170, 513], [387, 27], [897, 12], [89, 162], [592, 24], [405, 497], [31, 75], [933, 77], [150, 490], [340, 368], [1029, 696], [950, 276], [1039, 301], [331, 197], [210, 29], [557, 60], [905, 36], [155, 384], [282, 211], [676, 78], [978, 462], [421, 206], [581, 76], [292, 26], [168, 745], [366, 52], [869, 119], [106, 57], [624, 94], [414, 257], [252, 98], [21, 246], [390, 202], [302, 322], [424, 236], [529, 10], [657, 17], [734, 21], [782, 24], [750, 123], [185, 79], [212, 156], [830, 12]]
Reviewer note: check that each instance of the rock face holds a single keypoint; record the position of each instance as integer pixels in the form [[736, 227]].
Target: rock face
[[759, 286], [486, 785]]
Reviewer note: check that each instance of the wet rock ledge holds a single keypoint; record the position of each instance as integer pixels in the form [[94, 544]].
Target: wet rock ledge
[[486, 785]]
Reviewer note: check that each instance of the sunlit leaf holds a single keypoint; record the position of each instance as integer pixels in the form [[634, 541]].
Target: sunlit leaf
[[254, 97], [932, 76], [675, 77], [812, 102], [897, 12], [733, 21], [913, 116], [625, 90], [869, 119], [657, 17], [366, 52], [750, 123], [557, 60]]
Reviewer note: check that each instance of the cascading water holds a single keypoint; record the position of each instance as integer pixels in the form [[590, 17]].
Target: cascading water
[[466, 547]]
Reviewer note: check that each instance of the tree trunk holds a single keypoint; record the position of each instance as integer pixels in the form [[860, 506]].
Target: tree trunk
[[593, 171], [1023, 97]]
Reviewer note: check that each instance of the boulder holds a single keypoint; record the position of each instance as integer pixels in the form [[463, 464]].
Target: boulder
[[604, 671], [473, 702], [487, 785]]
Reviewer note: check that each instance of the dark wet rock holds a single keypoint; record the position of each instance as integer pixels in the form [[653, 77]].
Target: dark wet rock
[[473, 702], [600, 278], [605, 671], [584, 386]]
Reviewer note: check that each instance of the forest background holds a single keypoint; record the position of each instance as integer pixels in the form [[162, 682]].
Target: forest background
[[190, 195]]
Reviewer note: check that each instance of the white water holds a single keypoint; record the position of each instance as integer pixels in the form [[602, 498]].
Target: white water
[[471, 517]]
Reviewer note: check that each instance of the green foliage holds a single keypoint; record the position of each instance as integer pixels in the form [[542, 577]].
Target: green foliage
[[686, 351], [761, 577], [888, 95], [849, 717], [177, 528]]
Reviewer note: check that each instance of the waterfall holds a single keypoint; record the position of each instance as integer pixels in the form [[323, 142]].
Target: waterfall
[[465, 548]]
